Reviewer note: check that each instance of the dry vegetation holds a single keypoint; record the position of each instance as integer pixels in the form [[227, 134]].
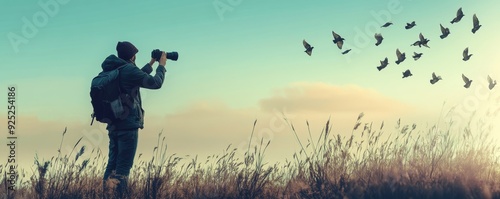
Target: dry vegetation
[[408, 162]]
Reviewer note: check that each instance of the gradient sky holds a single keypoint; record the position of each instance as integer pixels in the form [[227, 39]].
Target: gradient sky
[[242, 64]]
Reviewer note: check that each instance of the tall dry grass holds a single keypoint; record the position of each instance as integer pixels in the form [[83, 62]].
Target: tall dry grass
[[373, 161]]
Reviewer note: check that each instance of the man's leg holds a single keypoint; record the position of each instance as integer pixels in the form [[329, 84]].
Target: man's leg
[[127, 146], [112, 157]]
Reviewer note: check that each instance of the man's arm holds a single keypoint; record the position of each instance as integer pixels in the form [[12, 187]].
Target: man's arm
[[142, 78], [148, 68]]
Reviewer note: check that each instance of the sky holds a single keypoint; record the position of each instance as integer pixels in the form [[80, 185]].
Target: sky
[[241, 61]]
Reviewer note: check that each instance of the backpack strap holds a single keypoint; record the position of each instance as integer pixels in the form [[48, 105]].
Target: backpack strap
[[120, 89], [118, 78]]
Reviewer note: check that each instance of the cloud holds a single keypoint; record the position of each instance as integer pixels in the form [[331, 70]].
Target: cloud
[[208, 127], [306, 98], [202, 126], [212, 125], [43, 137]]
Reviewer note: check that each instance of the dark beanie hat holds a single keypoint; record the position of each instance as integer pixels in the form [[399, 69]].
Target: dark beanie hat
[[126, 50]]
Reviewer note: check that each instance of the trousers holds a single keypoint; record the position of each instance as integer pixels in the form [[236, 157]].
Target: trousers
[[122, 149]]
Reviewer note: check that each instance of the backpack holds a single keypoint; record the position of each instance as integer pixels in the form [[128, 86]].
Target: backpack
[[107, 98]]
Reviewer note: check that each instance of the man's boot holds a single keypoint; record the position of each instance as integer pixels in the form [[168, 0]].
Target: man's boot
[[122, 187]]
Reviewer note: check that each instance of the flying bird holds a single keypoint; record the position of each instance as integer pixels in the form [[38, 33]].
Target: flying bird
[[492, 83], [475, 23], [423, 40], [417, 43], [346, 51], [417, 56], [466, 54], [379, 38], [387, 24], [308, 47], [445, 32], [383, 64], [407, 73], [401, 56], [337, 39], [459, 16], [410, 25], [467, 81], [435, 78]]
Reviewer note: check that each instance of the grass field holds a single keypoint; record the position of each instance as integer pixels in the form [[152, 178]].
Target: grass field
[[372, 161]]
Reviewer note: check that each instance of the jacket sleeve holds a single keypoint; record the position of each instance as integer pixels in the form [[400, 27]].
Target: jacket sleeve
[[147, 68], [139, 77]]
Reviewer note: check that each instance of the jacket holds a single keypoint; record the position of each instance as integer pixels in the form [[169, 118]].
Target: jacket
[[131, 79]]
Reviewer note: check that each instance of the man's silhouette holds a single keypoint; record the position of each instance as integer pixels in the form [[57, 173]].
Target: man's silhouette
[[123, 134]]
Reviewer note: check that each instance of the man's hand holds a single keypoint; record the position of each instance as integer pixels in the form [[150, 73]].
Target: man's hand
[[163, 59], [152, 61]]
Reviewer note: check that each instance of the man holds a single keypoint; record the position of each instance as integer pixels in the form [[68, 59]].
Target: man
[[123, 134]]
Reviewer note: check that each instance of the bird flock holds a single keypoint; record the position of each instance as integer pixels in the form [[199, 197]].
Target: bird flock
[[422, 41]]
